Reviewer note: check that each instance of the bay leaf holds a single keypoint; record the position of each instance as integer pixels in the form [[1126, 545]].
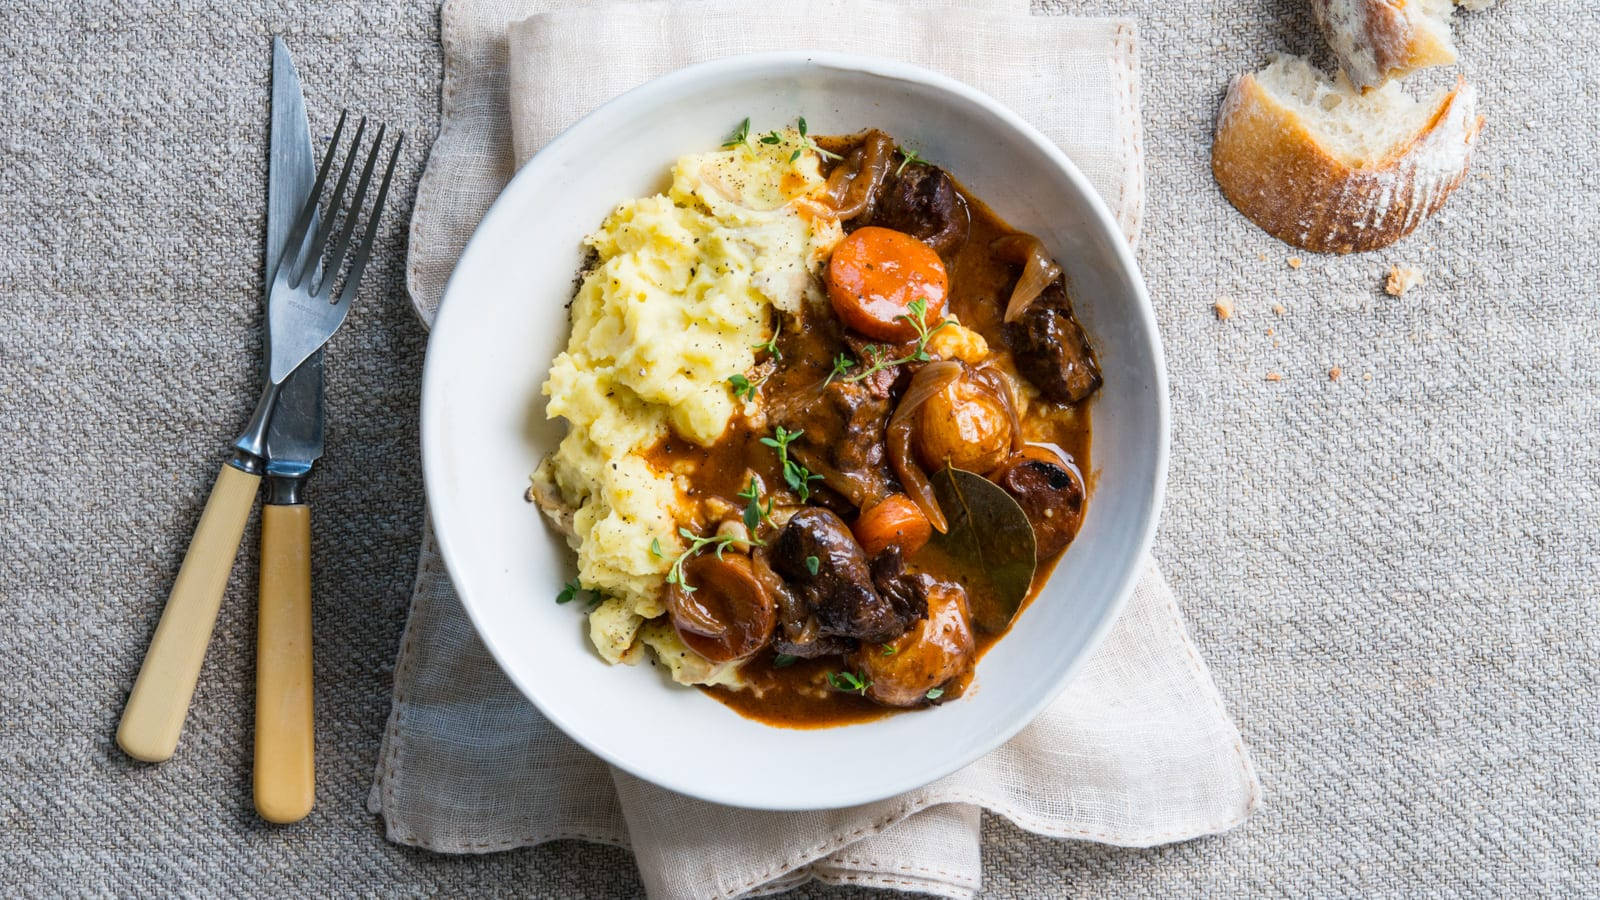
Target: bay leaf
[[991, 543]]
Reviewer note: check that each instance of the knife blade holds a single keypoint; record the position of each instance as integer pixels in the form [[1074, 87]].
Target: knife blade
[[284, 778], [294, 433]]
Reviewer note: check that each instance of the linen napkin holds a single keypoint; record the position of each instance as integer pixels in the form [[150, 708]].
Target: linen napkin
[[1137, 751]]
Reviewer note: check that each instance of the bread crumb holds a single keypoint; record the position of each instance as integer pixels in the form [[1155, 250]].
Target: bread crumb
[[1261, 256], [1334, 373], [1366, 376], [1295, 262], [1277, 309], [1270, 332], [1402, 279], [1224, 308], [1274, 376]]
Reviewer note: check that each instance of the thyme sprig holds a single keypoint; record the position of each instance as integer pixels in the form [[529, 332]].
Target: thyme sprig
[[754, 512], [811, 144], [849, 682], [841, 365], [771, 346], [575, 589], [910, 156], [718, 543], [798, 477], [740, 136], [745, 388], [880, 356]]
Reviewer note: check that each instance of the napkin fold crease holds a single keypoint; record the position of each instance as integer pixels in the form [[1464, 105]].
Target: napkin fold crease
[[1137, 751]]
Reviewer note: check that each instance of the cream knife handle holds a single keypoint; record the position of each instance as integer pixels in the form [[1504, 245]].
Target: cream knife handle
[[285, 775], [153, 718]]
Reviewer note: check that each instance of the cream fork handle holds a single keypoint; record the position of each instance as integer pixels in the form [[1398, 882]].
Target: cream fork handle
[[153, 718]]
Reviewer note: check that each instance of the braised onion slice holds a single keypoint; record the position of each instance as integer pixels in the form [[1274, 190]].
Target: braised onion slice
[[929, 380], [854, 184], [728, 615], [1039, 271]]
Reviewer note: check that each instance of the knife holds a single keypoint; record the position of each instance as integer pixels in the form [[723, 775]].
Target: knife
[[284, 780], [152, 721]]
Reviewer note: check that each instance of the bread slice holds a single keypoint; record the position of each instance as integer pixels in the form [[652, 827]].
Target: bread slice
[[1376, 40], [1325, 167]]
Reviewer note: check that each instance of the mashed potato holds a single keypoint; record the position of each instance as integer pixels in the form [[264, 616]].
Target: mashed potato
[[682, 292]]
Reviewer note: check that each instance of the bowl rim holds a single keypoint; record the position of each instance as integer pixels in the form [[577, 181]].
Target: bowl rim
[[766, 62]]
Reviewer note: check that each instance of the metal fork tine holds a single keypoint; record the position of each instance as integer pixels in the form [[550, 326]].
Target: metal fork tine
[[331, 271], [364, 252], [290, 255], [308, 266]]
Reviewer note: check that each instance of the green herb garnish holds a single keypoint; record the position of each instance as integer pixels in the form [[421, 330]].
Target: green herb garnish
[[574, 589], [798, 477], [771, 137], [770, 345], [569, 591], [890, 649], [740, 136], [783, 661], [813, 565], [811, 144], [754, 512], [934, 693], [849, 683], [744, 387], [911, 156], [918, 309], [717, 542], [841, 365]]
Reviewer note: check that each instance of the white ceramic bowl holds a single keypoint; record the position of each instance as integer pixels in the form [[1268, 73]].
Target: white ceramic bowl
[[483, 429]]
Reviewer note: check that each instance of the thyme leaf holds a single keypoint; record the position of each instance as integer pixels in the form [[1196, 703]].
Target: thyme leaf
[[740, 136], [849, 682]]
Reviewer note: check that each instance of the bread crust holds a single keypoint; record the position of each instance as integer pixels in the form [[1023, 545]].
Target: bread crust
[[1273, 169], [1376, 40]]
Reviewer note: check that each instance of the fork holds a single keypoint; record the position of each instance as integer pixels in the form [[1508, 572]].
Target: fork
[[302, 313]]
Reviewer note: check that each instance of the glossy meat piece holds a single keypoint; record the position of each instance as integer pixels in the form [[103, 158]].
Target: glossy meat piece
[[798, 633], [843, 436], [1051, 349], [881, 383], [934, 652], [922, 201], [840, 594], [907, 593], [1049, 493]]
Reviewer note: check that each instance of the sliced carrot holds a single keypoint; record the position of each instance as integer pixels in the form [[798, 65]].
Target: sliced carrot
[[875, 275], [893, 521]]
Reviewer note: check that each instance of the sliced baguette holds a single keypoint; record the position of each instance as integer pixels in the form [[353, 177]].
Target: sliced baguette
[[1376, 40], [1321, 165]]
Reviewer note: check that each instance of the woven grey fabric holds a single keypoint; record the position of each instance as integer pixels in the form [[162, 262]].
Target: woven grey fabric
[[1393, 580]]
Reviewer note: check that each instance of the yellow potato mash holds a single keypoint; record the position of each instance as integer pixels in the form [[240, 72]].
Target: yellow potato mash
[[681, 292]]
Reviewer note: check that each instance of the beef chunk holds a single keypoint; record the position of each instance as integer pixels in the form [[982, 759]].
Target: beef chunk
[[1051, 349], [922, 201], [843, 429], [840, 594], [907, 593]]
